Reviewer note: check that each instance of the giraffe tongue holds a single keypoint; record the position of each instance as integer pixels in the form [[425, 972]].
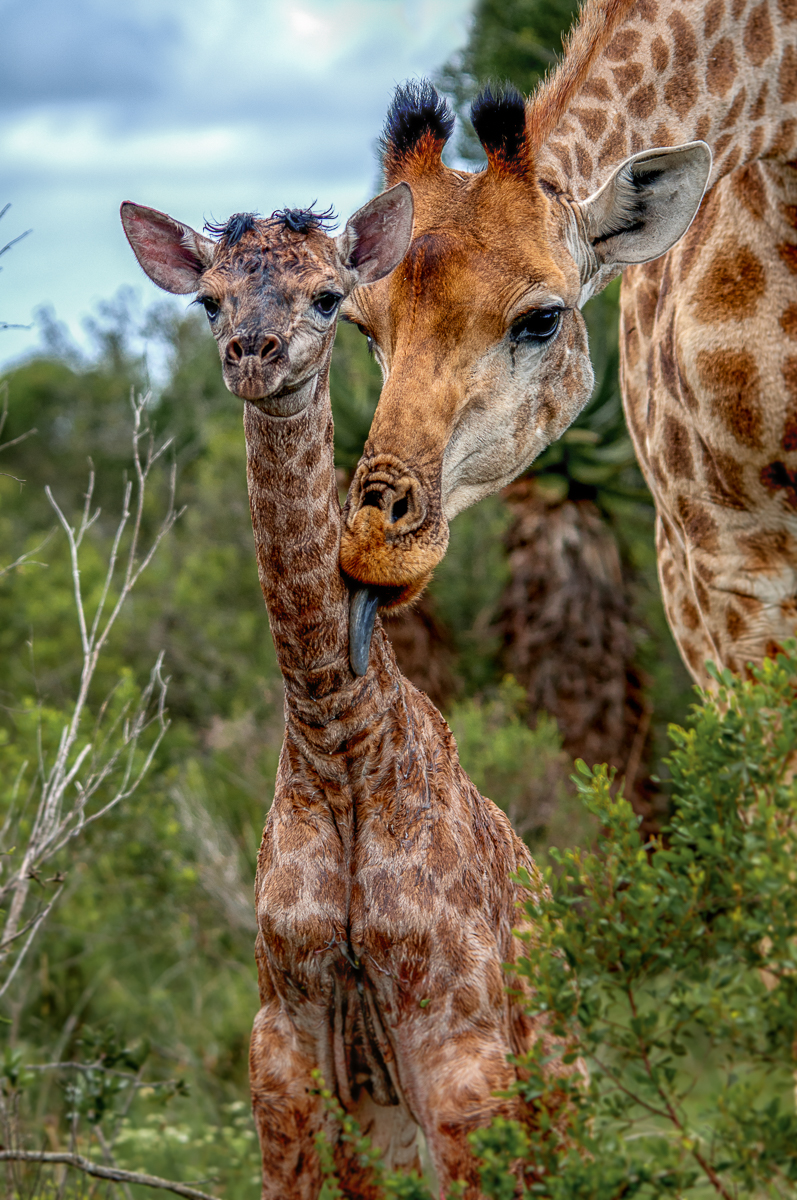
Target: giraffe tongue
[[362, 614]]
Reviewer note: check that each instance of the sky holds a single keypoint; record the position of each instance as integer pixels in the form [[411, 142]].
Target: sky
[[197, 108]]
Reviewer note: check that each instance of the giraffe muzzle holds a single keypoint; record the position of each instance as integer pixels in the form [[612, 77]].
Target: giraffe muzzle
[[394, 533]]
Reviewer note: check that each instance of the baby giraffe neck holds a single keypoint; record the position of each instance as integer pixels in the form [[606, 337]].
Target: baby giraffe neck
[[296, 519]]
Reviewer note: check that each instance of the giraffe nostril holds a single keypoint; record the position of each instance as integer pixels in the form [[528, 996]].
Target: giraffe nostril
[[399, 510], [372, 500], [235, 350], [271, 348]]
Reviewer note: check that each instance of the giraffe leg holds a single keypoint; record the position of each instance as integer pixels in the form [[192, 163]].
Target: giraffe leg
[[287, 1113], [392, 1131], [451, 1084]]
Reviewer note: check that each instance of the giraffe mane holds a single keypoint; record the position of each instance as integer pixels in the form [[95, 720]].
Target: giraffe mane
[[596, 23]]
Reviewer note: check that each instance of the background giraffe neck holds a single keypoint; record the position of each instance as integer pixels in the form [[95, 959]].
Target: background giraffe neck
[[672, 72], [296, 519]]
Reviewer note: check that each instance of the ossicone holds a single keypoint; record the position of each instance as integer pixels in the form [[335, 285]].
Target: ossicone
[[419, 122], [499, 118]]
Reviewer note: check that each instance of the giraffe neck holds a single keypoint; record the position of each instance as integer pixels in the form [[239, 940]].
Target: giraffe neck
[[664, 72], [296, 519]]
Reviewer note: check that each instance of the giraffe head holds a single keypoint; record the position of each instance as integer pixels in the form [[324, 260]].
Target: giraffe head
[[272, 288], [478, 331]]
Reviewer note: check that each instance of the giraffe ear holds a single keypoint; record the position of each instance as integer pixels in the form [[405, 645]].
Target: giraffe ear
[[647, 205], [173, 255], [378, 236]]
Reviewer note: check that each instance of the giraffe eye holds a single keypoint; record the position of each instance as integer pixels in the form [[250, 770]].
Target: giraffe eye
[[326, 303], [367, 337], [536, 326], [210, 306]]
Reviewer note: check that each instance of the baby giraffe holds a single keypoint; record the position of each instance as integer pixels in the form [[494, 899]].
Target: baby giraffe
[[384, 900]]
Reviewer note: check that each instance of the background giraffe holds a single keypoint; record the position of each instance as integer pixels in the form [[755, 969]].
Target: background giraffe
[[384, 894], [707, 371]]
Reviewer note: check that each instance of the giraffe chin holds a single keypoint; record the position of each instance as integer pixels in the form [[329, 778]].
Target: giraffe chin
[[399, 572]]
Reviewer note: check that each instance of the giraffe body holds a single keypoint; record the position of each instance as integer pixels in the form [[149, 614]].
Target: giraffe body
[[575, 193], [384, 895], [709, 332]]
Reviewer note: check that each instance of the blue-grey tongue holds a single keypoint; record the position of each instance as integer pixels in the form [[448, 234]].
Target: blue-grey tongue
[[362, 614]]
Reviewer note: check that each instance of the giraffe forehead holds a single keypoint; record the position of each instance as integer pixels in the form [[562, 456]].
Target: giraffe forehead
[[273, 256], [481, 241]]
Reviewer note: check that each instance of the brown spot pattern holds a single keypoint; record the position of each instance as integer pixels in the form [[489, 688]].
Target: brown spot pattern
[[681, 90], [788, 254], [789, 440], [613, 148], [731, 287], [756, 142], [699, 231], [659, 54], [759, 39], [623, 45], [783, 143], [759, 106], [724, 476], [731, 378], [721, 68], [642, 103], [714, 12], [788, 9], [646, 301], [628, 77], [703, 598], [735, 624], [689, 613], [787, 76], [699, 525], [677, 449], [592, 120], [735, 109], [748, 187], [583, 160], [722, 144], [732, 161], [776, 477], [598, 88], [788, 321]]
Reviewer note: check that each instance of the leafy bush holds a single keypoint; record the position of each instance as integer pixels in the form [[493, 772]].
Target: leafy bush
[[672, 969]]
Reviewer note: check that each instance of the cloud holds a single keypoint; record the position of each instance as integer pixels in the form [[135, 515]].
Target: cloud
[[53, 52]]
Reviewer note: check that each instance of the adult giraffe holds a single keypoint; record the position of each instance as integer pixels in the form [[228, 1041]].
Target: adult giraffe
[[385, 891], [483, 347]]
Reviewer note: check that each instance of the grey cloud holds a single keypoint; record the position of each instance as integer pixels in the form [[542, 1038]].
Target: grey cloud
[[53, 51]]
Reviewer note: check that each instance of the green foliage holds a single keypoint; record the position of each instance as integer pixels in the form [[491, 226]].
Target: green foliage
[[355, 382], [522, 768], [672, 969], [467, 589]]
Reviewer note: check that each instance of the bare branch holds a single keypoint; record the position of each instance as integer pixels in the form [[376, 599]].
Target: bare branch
[[115, 1174], [112, 757]]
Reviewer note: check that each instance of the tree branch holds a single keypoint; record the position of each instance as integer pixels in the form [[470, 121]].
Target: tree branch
[[115, 1174]]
